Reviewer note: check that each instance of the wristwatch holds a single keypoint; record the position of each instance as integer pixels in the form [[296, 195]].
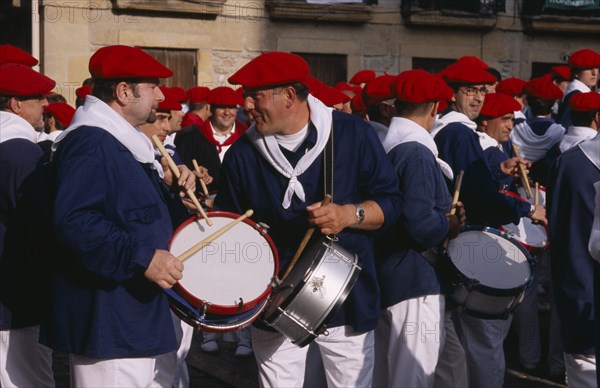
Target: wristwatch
[[360, 214], [531, 211]]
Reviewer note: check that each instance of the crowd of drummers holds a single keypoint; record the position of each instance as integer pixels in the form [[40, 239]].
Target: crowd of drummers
[[399, 225]]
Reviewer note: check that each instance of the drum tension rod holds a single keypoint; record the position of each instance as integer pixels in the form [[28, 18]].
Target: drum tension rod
[[240, 304]]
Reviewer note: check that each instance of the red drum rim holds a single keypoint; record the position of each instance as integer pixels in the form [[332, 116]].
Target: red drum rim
[[530, 248], [227, 309]]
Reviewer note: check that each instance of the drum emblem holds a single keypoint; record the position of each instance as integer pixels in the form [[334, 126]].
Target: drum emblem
[[317, 285]]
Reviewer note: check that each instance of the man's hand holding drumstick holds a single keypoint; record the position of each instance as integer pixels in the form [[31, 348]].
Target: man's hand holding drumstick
[[164, 269]]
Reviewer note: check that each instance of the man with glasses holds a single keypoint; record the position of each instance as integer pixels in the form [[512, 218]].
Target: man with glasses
[[458, 144]]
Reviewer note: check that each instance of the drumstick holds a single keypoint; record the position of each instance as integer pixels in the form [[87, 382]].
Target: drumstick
[[303, 243], [456, 192], [536, 199], [524, 178], [202, 183], [186, 255], [176, 173]]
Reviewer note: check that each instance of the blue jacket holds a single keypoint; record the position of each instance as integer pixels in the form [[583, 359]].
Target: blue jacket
[[111, 217], [403, 273], [19, 265], [459, 147], [571, 201], [362, 171]]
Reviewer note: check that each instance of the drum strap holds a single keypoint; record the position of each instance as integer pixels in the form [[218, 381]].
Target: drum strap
[[328, 166]]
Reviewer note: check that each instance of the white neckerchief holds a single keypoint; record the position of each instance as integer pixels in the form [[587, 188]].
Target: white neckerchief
[[13, 126], [532, 146], [51, 136], [449, 118], [320, 116], [293, 141], [576, 85], [96, 113], [520, 115], [403, 130], [576, 135], [591, 149], [487, 141], [594, 244]]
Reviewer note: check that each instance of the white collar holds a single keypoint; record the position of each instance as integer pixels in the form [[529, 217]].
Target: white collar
[[13, 126]]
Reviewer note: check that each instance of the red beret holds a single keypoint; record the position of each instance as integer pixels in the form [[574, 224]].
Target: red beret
[[584, 59], [224, 96], [357, 104], [378, 89], [543, 88], [330, 96], [197, 94], [470, 60], [179, 93], [62, 112], [585, 102], [467, 74], [563, 72], [83, 91], [314, 85], [498, 104], [271, 69], [511, 86], [122, 62], [345, 86], [21, 80], [170, 102], [362, 76], [12, 54], [418, 86]]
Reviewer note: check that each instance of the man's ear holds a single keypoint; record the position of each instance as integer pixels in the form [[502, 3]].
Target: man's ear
[[14, 105], [123, 93], [387, 110]]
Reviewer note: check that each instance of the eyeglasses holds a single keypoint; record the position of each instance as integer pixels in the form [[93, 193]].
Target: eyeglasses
[[473, 91]]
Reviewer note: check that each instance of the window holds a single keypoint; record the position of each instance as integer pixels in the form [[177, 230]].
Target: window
[[182, 62], [431, 65], [328, 68]]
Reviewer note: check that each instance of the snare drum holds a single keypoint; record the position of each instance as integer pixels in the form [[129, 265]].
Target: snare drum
[[314, 290], [486, 272], [230, 276], [541, 195], [534, 237]]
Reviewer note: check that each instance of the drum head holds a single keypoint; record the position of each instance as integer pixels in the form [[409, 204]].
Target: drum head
[[541, 195], [233, 273], [491, 258], [532, 236]]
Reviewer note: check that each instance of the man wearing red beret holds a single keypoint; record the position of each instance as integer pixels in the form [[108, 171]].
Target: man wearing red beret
[[585, 68], [574, 184], [24, 362], [57, 117], [410, 290], [584, 116], [114, 224], [458, 143], [277, 169], [199, 109], [211, 140]]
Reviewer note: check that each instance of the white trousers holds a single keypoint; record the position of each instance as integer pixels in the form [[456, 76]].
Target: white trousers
[[348, 358], [24, 362], [114, 372], [171, 367], [408, 343], [451, 369], [581, 370]]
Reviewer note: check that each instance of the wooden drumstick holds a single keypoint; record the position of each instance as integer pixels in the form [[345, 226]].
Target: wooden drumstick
[[202, 183], [536, 199], [524, 178], [186, 255], [456, 192], [177, 174], [303, 243]]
